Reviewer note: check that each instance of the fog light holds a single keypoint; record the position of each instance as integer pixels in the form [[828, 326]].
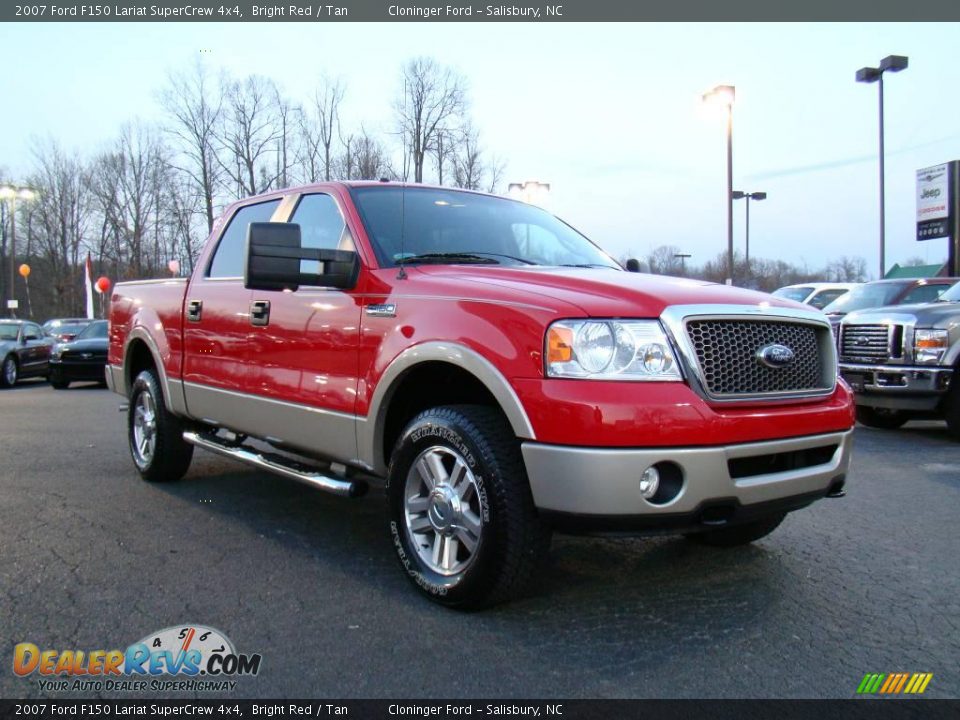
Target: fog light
[[649, 482]]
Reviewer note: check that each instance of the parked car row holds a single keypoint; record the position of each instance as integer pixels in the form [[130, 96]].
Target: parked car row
[[64, 351]]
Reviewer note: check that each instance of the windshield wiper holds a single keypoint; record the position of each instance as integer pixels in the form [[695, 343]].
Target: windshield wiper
[[587, 265], [448, 257], [509, 257]]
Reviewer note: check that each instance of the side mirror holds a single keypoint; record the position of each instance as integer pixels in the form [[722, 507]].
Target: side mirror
[[633, 265], [273, 255]]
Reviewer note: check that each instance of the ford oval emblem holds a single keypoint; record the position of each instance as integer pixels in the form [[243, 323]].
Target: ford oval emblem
[[775, 355]]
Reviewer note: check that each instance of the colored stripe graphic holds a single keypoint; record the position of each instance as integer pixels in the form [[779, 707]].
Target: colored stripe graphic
[[894, 683]]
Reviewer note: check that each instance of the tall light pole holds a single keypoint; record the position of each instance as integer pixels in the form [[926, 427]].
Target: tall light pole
[[12, 193], [748, 196], [725, 95], [891, 63], [683, 262]]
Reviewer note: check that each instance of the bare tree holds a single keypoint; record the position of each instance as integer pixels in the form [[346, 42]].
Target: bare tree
[[61, 216], [433, 96], [249, 134], [364, 157], [664, 260], [130, 182], [319, 125], [847, 269], [471, 168], [286, 142], [195, 108]]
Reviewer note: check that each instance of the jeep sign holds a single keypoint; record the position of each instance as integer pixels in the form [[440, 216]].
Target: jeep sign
[[935, 201]]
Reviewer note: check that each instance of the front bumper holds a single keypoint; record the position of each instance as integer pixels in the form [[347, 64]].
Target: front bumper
[[598, 488], [92, 369], [897, 387]]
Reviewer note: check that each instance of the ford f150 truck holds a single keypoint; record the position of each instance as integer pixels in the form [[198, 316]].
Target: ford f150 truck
[[902, 361], [496, 372]]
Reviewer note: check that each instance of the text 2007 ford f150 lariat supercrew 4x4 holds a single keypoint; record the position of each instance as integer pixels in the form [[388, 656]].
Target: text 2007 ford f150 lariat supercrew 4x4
[[501, 375]]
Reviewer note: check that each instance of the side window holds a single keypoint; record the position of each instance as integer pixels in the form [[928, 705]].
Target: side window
[[824, 298], [228, 258], [32, 332], [924, 294], [321, 224]]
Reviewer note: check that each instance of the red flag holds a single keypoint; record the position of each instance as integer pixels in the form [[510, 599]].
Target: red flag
[[89, 271]]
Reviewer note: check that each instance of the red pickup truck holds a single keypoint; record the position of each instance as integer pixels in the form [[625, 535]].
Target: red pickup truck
[[492, 369]]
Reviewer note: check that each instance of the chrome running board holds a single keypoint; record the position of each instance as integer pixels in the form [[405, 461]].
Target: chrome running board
[[278, 464]]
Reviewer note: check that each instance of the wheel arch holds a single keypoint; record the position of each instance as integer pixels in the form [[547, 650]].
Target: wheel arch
[[447, 374], [141, 353]]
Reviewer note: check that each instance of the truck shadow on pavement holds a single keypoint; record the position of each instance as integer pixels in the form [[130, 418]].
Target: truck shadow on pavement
[[618, 598]]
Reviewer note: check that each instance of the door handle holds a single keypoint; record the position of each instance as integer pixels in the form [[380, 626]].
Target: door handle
[[260, 312], [194, 310]]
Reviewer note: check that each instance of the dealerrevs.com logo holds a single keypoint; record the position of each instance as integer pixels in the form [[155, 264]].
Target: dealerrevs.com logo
[[182, 657]]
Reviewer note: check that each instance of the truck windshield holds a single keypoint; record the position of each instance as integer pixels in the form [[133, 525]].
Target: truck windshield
[[865, 296], [448, 226], [793, 293], [951, 295]]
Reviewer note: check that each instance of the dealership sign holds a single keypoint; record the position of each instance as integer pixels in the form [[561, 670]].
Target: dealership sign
[[936, 200]]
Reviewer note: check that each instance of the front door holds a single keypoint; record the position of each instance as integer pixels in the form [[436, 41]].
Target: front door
[[305, 346]]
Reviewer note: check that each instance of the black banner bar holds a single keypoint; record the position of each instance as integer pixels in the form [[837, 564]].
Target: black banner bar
[[875, 709], [471, 12]]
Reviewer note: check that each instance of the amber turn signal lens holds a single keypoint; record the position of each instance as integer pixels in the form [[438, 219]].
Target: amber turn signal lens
[[559, 345], [933, 343]]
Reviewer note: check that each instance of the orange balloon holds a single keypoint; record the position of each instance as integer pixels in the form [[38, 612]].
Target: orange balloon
[[24, 270], [103, 284]]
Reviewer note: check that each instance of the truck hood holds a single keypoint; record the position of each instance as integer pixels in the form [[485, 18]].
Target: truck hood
[[600, 292], [936, 315]]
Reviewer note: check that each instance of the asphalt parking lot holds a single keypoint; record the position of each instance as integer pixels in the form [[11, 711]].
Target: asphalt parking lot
[[91, 557]]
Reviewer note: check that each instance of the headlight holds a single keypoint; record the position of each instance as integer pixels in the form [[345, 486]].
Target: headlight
[[56, 352], [929, 345], [610, 350]]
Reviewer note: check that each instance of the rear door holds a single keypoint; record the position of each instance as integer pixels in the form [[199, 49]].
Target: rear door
[[216, 323]]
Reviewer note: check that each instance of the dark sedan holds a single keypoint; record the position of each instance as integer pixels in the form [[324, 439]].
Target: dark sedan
[[65, 329], [84, 358], [24, 349]]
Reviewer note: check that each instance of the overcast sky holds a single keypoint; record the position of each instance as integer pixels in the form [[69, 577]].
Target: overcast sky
[[610, 115]]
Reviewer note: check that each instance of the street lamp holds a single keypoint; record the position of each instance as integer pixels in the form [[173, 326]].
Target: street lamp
[[748, 196], [12, 193], [725, 95], [683, 262], [891, 63]]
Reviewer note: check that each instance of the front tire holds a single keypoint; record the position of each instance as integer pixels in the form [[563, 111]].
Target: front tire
[[739, 534], [155, 435], [9, 372], [461, 514], [882, 418], [58, 381]]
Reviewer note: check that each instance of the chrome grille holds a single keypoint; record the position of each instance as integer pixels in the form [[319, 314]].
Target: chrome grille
[[727, 355], [865, 342]]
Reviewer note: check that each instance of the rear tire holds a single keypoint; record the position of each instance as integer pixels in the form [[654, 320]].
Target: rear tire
[[880, 417], [154, 434], [461, 514], [739, 534], [9, 372]]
